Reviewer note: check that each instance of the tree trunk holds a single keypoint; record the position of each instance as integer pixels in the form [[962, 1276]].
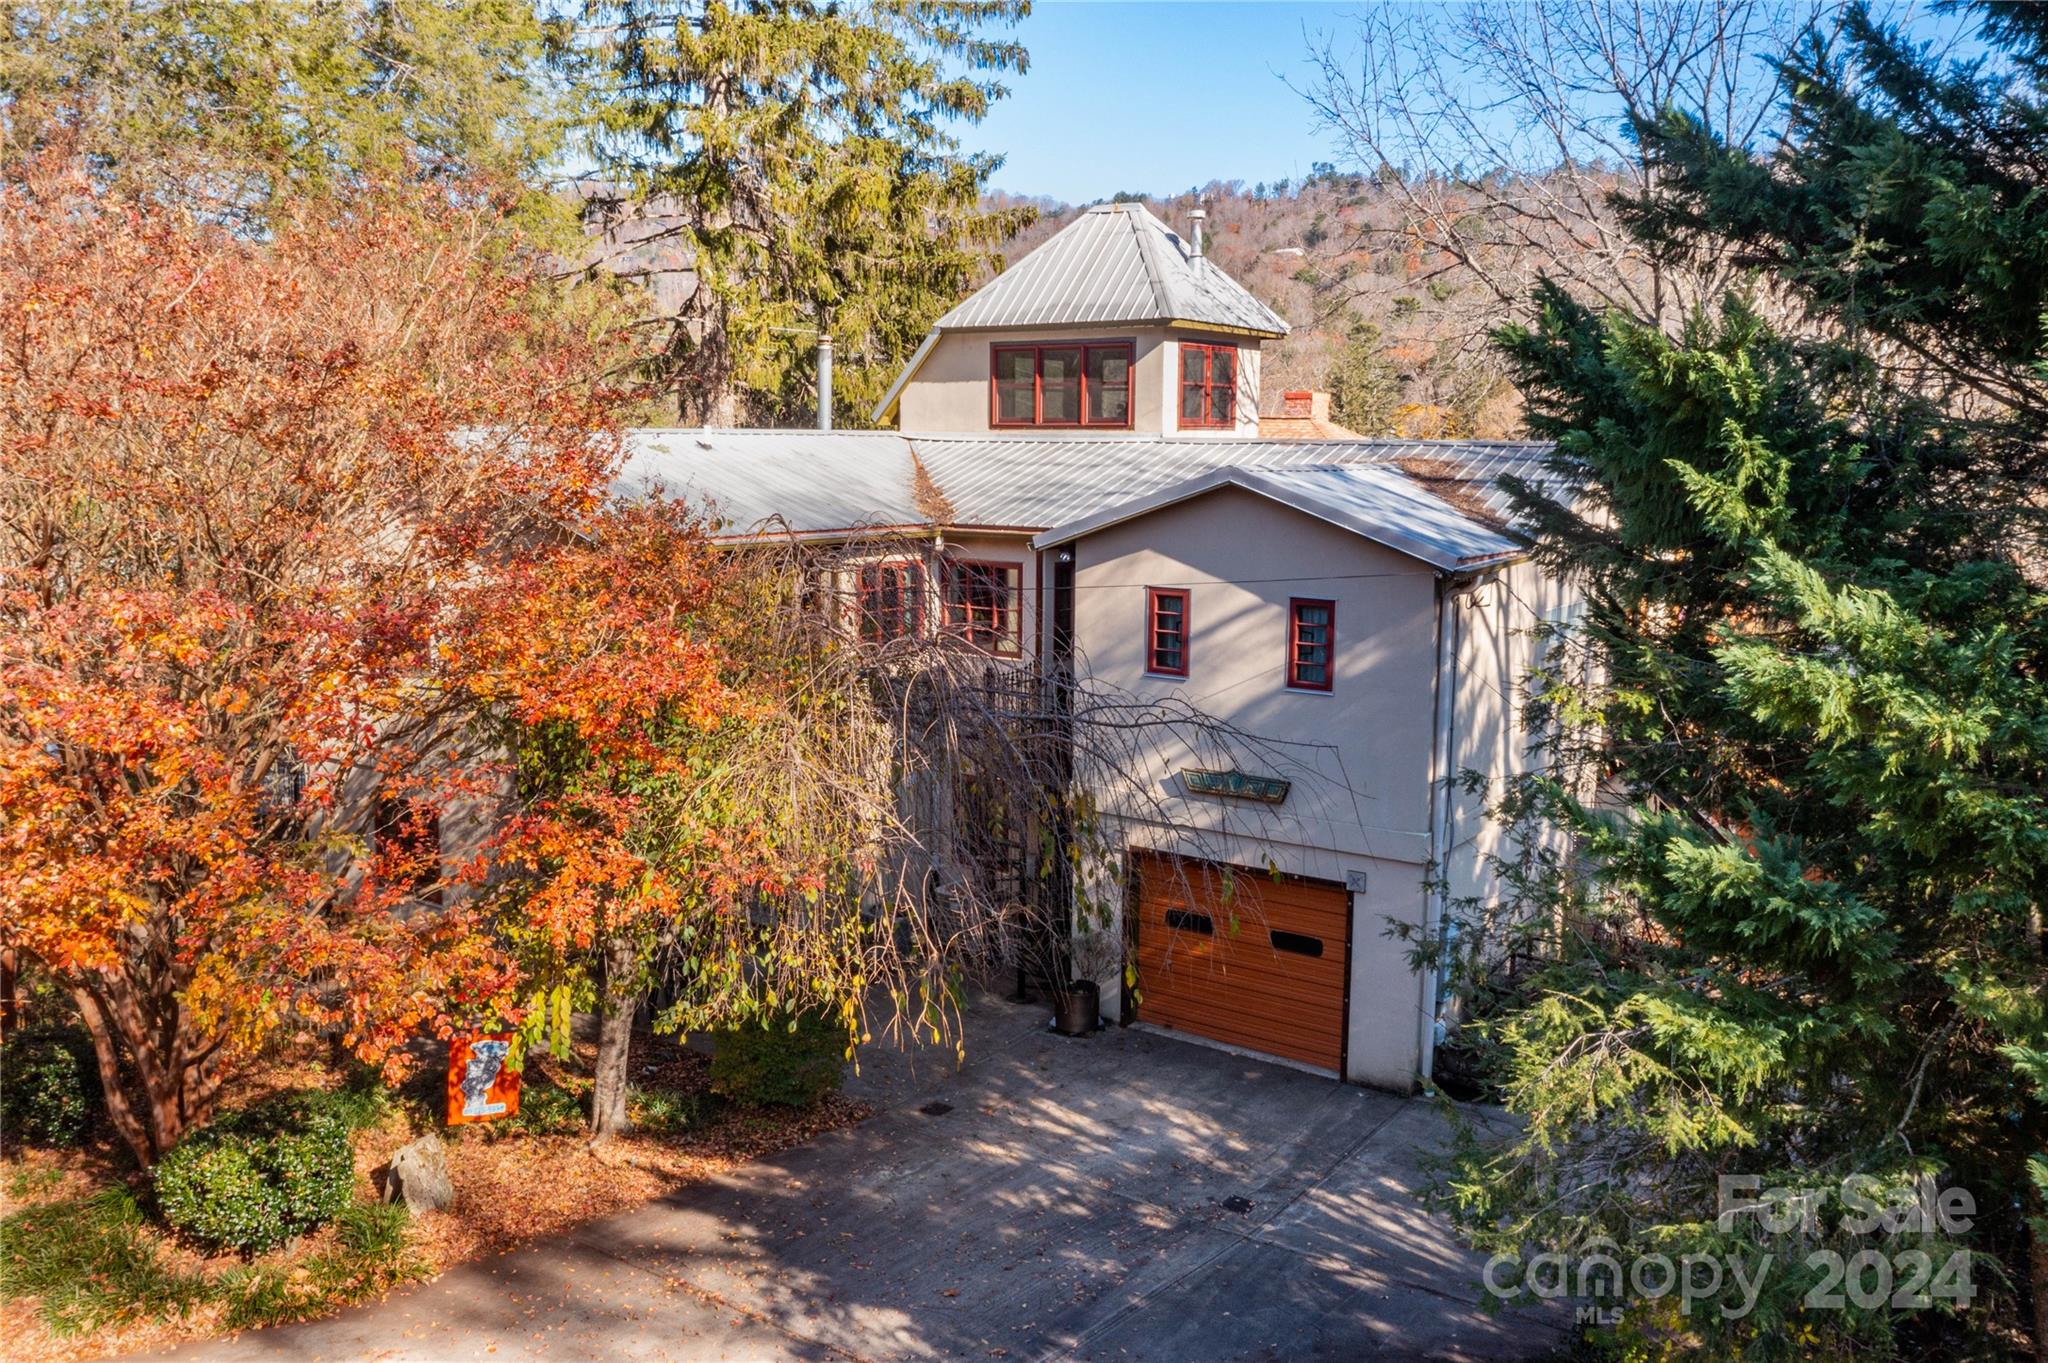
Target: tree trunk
[[617, 1005], [159, 1081], [2038, 1243], [10, 1005]]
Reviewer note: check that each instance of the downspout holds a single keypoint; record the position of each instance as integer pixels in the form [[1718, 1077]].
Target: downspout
[[1442, 809]]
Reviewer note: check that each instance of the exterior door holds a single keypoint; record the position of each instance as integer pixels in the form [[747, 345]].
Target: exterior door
[[1243, 957]]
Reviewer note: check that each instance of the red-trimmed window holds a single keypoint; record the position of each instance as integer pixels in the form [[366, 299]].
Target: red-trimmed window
[[1208, 385], [1061, 385], [1311, 643], [1166, 631], [891, 600], [984, 605]]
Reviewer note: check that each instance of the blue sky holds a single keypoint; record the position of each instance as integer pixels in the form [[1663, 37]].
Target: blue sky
[[1163, 95], [1156, 95]]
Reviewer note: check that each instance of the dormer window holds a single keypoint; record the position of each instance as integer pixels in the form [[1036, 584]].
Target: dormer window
[[1062, 385], [1208, 386]]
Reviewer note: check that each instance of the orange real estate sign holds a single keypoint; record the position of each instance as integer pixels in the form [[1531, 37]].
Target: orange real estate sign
[[481, 1086]]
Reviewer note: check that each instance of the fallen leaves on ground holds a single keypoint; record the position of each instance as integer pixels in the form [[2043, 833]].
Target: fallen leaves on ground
[[511, 1188]]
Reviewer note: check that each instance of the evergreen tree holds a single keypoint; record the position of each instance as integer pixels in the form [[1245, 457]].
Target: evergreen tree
[[1365, 392], [264, 96], [803, 150], [1800, 934]]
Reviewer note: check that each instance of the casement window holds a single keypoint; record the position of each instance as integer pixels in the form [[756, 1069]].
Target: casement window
[[1208, 386], [1311, 643], [984, 605], [1166, 632], [891, 600], [1061, 385]]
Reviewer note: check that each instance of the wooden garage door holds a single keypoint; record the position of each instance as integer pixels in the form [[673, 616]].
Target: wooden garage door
[[1261, 965]]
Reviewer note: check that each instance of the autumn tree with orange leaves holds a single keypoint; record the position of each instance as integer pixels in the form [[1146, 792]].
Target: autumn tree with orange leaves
[[252, 496], [340, 693], [705, 797]]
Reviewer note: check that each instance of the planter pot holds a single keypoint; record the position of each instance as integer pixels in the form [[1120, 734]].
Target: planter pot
[[1077, 1009]]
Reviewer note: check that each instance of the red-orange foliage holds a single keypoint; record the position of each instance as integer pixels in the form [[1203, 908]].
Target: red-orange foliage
[[265, 505], [604, 679]]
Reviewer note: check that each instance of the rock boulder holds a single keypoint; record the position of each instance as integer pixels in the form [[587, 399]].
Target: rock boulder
[[419, 1175]]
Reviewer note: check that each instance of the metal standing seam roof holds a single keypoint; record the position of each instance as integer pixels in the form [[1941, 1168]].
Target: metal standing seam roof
[[794, 481], [830, 483], [1378, 502], [1114, 263]]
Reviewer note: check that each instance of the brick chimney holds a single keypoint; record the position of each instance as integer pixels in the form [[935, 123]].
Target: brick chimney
[[1304, 403]]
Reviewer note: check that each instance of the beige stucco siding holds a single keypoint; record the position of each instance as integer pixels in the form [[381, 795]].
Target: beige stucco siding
[[1500, 638], [950, 390], [1359, 757], [1361, 751]]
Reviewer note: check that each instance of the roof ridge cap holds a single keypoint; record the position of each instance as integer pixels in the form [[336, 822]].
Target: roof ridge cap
[[1162, 296]]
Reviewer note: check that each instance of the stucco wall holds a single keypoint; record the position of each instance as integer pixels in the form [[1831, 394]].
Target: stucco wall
[[1500, 640], [1358, 757], [950, 391]]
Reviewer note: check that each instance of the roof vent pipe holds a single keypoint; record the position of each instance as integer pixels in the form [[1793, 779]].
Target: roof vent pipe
[[1196, 217], [824, 382]]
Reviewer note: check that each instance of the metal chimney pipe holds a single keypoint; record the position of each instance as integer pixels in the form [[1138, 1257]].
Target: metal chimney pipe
[[1197, 217], [824, 382]]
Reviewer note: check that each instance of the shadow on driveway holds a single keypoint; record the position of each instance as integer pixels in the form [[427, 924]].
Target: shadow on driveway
[[1128, 1196]]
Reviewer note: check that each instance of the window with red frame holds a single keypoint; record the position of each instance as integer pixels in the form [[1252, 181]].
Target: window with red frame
[[1311, 644], [983, 605], [891, 601], [1208, 385], [1061, 385], [1166, 632]]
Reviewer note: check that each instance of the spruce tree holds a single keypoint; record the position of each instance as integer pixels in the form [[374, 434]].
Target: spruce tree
[[802, 149], [1799, 933]]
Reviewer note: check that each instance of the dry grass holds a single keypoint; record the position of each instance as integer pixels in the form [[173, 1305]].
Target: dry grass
[[511, 1186]]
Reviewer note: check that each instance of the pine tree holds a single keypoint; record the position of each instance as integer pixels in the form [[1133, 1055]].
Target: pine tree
[[1801, 934], [803, 149], [1365, 392]]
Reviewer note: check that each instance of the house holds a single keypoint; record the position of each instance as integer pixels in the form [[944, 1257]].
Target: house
[[1080, 484], [1115, 324]]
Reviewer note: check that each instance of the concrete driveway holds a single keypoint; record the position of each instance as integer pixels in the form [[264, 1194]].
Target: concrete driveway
[[1129, 1196]]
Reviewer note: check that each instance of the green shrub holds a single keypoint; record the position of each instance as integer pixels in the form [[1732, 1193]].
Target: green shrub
[[87, 1264], [51, 1086], [254, 1179], [663, 1113], [792, 1061], [368, 1257]]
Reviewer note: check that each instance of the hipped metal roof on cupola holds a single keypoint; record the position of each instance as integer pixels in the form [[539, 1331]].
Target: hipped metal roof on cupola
[[1116, 264]]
